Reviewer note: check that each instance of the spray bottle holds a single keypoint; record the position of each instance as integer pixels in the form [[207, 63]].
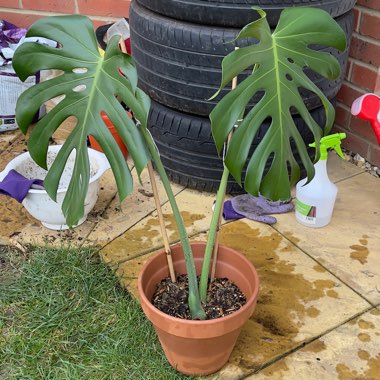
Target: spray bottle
[[315, 200]]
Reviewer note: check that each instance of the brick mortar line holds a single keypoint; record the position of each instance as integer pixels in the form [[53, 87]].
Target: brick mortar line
[[344, 106], [366, 38], [364, 64], [371, 11], [29, 12], [359, 20], [354, 86], [348, 74]]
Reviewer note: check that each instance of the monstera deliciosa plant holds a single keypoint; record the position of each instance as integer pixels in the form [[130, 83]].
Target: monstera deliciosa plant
[[279, 60], [91, 84]]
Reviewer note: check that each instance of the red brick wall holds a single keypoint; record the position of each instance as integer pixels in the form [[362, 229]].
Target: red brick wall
[[362, 76], [24, 12]]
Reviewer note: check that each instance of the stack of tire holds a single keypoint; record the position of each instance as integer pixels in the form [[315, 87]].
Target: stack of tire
[[178, 46]]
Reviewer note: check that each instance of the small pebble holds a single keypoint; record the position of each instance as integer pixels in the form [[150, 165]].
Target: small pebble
[[359, 158], [361, 162]]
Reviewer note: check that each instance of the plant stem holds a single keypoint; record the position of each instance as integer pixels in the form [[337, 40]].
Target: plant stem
[[215, 222], [194, 301], [211, 236]]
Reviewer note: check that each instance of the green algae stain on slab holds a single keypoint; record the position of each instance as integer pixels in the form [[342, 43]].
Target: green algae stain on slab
[[332, 293], [319, 269], [372, 370], [316, 346], [131, 243], [364, 337], [283, 306], [312, 312], [363, 324], [189, 219], [364, 355], [143, 238], [360, 251], [277, 370]]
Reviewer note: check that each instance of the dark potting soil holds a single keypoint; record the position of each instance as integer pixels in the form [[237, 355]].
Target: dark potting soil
[[223, 298]]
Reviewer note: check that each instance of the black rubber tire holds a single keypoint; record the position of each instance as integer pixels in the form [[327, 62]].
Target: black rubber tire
[[237, 13], [179, 64], [188, 152]]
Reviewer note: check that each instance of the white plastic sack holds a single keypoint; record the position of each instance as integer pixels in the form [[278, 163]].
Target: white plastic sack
[[10, 89]]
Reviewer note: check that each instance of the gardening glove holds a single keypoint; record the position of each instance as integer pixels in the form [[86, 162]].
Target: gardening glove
[[259, 208], [229, 212], [17, 186]]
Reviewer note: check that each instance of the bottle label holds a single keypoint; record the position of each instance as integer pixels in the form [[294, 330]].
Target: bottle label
[[306, 213]]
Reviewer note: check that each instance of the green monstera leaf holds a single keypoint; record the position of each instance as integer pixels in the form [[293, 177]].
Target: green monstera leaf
[[90, 84], [279, 60]]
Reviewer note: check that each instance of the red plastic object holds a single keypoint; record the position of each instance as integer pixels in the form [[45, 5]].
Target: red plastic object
[[367, 107], [95, 145], [128, 46]]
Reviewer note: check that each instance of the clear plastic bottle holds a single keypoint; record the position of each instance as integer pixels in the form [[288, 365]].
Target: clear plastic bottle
[[315, 201]]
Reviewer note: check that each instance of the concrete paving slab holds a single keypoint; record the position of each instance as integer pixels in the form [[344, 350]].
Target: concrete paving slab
[[352, 351], [339, 169], [13, 219], [145, 236], [349, 246], [18, 146], [119, 218], [8, 138], [13, 216], [295, 302]]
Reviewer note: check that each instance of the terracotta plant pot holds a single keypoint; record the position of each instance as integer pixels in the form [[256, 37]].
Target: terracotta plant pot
[[95, 145], [199, 347]]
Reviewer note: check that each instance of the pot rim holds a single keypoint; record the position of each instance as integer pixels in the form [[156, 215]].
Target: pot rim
[[103, 166], [191, 322]]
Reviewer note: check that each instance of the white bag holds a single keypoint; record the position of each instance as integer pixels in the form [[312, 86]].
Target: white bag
[[10, 89]]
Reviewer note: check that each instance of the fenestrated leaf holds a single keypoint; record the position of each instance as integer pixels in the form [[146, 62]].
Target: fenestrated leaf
[[279, 60], [90, 84]]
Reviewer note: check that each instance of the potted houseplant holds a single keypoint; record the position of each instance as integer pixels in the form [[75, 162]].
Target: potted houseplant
[[92, 85]]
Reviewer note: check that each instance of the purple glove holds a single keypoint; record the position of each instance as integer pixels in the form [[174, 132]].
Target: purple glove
[[17, 186], [259, 208], [229, 212]]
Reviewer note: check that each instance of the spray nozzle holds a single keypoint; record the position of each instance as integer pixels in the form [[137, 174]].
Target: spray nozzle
[[330, 141]]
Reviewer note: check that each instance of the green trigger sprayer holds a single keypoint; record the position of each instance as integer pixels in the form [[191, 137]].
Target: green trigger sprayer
[[315, 200], [331, 141]]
